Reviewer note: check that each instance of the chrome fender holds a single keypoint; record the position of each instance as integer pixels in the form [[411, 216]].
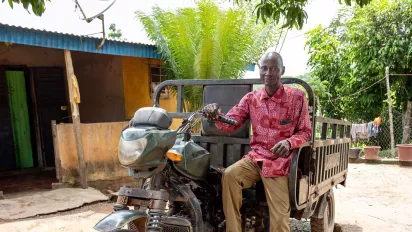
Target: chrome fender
[[119, 219]]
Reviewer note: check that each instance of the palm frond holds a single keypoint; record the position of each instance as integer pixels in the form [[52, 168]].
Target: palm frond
[[207, 42], [154, 34], [260, 44]]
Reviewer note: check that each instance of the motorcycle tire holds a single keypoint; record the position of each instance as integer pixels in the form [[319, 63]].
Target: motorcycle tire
[[325, 224]]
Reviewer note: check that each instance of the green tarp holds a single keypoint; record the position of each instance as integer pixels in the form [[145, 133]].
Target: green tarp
[[20, 119]]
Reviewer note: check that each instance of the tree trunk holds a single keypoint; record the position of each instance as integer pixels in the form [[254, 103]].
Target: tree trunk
[[407, 123]]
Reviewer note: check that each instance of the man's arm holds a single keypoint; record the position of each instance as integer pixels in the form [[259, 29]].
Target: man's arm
[[303, 129], [239, 112]]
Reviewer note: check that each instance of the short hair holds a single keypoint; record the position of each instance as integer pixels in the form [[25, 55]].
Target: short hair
[[276, 55]]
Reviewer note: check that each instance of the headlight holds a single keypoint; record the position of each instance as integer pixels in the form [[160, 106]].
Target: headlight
[[130, 151]]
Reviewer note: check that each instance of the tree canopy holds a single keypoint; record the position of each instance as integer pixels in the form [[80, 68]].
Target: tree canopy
[[37, 6], [352, 53], [290, 13], [115, 33]]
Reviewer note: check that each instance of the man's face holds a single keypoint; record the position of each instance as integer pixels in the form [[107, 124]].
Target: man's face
[[271, 70]]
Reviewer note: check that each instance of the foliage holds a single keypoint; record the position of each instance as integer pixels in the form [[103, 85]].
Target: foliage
[[387, 153], [207, 42], [352, 53], [37, 6], [114, 33], [290, 11], [319, 87]]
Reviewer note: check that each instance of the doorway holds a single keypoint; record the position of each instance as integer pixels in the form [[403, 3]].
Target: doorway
[[16, 127], [30, 98], [51, 104], [20, 120]]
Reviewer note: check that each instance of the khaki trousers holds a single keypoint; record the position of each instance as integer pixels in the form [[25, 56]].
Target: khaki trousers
[[243, 174]]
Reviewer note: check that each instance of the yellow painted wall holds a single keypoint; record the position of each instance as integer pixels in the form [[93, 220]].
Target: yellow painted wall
[[136, 87]]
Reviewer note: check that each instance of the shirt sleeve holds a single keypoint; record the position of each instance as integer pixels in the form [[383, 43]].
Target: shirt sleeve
[[303, 131], [239, 112]]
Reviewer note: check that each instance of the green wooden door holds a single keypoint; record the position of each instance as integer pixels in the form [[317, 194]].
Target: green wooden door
[[20, 118]]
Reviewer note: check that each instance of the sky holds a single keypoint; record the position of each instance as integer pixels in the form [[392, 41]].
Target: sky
[[61, 16]]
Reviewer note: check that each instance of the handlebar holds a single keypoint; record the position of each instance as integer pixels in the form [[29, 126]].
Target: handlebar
[[227, 120], [221, 118], [185, 126]]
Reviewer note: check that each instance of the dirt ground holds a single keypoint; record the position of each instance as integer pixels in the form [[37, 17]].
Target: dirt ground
[[48, 202], [377, 198]]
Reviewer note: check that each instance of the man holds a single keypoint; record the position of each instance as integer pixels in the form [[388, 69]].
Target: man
[[280, 123]]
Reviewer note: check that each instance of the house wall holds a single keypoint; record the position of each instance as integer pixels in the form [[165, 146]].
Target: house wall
[[99, 76], [100, 142], [136, 82], [16, 54], [111, 89], [101, 87]]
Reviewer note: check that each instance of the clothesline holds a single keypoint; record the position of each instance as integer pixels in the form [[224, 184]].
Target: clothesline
[[400, 74], [366, 130], [361, 90], [358, 91]]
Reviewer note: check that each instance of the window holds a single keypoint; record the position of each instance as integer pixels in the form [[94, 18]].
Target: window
[[157, 75]]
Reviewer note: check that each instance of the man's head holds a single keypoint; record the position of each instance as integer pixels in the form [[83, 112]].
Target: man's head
[[271, 68]]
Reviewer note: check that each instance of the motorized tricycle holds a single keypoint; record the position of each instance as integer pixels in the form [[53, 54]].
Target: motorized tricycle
[[179, 172]]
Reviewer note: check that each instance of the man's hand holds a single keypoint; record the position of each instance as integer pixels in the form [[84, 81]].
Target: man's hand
[[211, 111], [281, 148]]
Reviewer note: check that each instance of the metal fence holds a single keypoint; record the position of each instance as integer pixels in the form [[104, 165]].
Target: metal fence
[[383, 138]]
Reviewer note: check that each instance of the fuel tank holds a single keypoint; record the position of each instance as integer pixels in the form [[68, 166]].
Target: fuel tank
[[196, 160]]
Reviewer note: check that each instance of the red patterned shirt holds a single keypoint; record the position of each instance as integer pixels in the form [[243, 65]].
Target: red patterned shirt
[[282, 116]]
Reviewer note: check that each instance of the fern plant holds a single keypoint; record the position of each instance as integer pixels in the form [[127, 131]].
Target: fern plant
[[207, 42]]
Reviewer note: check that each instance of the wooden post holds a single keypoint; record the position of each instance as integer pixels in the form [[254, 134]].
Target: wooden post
[[388, 88], [40, 155], [74, 96], [407, 123], [57, 160]]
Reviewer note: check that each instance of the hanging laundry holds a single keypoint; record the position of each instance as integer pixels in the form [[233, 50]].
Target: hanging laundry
[[371, 129], [366, 130], [360, 131], [377, 121], [376, 129]]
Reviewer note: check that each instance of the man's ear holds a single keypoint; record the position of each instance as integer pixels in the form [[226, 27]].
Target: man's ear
[[283, 72]]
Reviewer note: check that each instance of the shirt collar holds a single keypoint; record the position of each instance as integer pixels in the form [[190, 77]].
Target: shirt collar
[[279, 96]]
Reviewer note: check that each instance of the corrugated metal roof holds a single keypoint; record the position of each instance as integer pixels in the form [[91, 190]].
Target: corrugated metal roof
[[48, 39]]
